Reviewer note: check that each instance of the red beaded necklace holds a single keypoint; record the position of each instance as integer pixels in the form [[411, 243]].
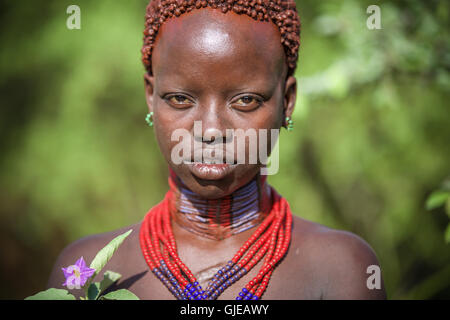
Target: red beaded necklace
[[270, 240]]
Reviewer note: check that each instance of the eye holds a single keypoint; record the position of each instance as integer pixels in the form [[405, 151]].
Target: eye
[[179, 100], [246, 100], [247, 103]]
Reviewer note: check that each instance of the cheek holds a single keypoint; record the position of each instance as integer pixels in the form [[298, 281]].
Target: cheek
[[173, 132], [271, 120], [270, 117], [278, 112], [264, 125], [163, 132]]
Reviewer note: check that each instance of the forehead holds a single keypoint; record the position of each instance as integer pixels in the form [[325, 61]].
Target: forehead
[[207, 42]]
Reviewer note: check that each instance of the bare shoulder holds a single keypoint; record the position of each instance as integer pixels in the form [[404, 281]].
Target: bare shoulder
[[87, 247], [344, 264]]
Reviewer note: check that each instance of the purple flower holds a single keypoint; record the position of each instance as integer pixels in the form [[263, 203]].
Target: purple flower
[[77, 274]]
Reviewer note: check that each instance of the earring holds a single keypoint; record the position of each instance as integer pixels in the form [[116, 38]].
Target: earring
[[290, 124], [149, 119]]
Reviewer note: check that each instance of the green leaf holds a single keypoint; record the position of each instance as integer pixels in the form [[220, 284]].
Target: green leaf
[[52, 294], [108, 279], [96, 288], [105, 254], [93, 291], [447, 234], [437, 199], [121, 294]]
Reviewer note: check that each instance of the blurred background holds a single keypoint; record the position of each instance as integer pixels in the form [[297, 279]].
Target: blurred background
[[369, 152]]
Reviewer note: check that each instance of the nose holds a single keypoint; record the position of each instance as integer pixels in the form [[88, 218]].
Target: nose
[[212, 124], [212, 135]]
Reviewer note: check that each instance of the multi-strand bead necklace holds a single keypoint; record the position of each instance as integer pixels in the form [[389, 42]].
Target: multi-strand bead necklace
[[270, 240]]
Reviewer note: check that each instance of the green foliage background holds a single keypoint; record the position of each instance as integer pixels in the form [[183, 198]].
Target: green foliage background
[[370, 144]]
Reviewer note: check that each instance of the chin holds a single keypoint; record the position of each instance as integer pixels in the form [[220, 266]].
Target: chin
[[216, 188], [210, 189]]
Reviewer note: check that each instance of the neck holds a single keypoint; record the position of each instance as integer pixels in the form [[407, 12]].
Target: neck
[[220, 218]]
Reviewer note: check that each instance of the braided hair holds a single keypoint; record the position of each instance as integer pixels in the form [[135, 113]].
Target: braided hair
[[282, 13]]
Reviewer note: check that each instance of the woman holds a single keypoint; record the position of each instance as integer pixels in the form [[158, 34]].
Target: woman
[[228, 65]]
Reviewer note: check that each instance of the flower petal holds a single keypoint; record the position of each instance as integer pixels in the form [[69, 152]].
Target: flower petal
[[77, 282], [88, 272], [70, 282], [66, 272], [76, 275], [80, 263], [69, 270]]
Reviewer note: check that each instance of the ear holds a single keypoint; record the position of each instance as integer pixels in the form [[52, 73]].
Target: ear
[[290, 96], [149, 85]]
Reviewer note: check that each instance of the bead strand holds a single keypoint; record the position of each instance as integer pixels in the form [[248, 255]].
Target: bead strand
[[147, 243], [168, 241], [253, 238], [243, 264], [240, 269]]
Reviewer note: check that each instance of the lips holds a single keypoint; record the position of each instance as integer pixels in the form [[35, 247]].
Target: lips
[[211, 160], [211, 167], [210, 171]]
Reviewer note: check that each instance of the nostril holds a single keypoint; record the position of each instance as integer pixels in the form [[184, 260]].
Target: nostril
[[208, 139], [212, 135]]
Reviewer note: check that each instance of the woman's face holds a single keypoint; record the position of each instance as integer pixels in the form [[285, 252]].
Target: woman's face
[[227, 71]]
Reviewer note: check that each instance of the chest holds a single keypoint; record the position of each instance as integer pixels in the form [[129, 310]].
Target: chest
[[289, 280]]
